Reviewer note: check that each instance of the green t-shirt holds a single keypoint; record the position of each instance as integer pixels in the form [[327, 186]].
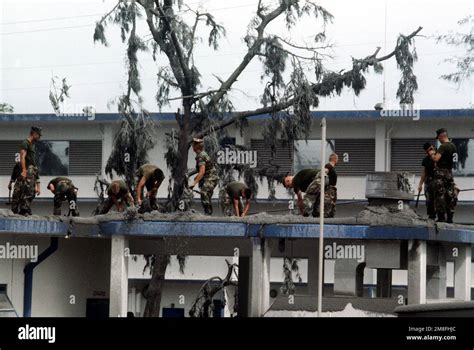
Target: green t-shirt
[[303, 178], [234, 189], [147, 171], [123, 189], [204, 159], [58, 179], [30, 149], [447, 151]]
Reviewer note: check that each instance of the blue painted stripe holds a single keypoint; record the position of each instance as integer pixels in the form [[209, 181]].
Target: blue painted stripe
[[167, 229], [238, 229], [348, 114], [33, 227]]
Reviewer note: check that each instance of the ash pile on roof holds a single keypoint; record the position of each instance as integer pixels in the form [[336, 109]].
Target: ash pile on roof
[[389, 216], [8, 214]]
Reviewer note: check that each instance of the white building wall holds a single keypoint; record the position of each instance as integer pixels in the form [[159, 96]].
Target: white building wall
[[64, 281]]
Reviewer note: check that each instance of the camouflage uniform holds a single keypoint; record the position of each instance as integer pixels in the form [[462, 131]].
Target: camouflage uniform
[[24, 190], [147, 171], [209, 182], [445, 192], [311, 197], [64, 190], [123, 196], [330, 193], [330, 199]]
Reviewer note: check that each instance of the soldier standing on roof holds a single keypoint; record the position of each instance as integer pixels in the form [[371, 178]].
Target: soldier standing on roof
[[27, 185], [445, 191], [330, 194], [427, 179], [207, 177]]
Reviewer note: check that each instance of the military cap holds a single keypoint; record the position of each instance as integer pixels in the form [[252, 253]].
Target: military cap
[[36, 129]]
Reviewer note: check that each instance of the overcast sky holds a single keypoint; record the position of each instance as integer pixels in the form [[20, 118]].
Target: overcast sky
[[39, 39]]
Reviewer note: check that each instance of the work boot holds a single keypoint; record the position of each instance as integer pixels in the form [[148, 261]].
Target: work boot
[[208, 209], [441, 217], [450, 218]]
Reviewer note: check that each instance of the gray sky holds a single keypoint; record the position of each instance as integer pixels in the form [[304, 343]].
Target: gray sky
[[41, 38]]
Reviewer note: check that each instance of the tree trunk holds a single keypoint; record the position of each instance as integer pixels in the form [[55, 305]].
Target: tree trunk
[[181, 170], [155, 289]]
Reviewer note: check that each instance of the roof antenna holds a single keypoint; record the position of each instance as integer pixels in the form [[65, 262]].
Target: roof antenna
[[385, 49]]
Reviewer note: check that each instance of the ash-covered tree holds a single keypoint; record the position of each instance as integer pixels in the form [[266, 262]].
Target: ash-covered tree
[[464, 39], [6, 108], [293, 74]]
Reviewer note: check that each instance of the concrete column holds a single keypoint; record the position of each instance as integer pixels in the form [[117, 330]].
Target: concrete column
[[313, 272], [436, 272], [348, 277], [380, 146], [259, 292], [416, 272], [462, 273], [118, 277]]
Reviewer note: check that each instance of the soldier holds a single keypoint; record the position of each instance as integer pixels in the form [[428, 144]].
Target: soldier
[[118, 194], [235, 191], [427, 178], [207, 177], [330, 194], [27, 185], [445, 192], [309, 182], [150, 177], [64, 190]]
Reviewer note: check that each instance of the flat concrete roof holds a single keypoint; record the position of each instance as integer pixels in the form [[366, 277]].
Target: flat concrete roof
[[234, 229]]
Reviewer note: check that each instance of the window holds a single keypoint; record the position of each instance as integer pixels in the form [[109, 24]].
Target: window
[[308, 154], [465, 164], [52, 158]]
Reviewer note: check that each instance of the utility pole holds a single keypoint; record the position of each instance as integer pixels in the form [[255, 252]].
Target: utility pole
[[321, 218]]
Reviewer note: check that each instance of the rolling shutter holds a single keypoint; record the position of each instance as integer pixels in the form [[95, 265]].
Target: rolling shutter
[[8, 149], [85, 157], [360, 156], [283, 158], [407, 155]]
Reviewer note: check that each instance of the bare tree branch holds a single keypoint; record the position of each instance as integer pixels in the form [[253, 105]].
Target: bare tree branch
[[284, 104]]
